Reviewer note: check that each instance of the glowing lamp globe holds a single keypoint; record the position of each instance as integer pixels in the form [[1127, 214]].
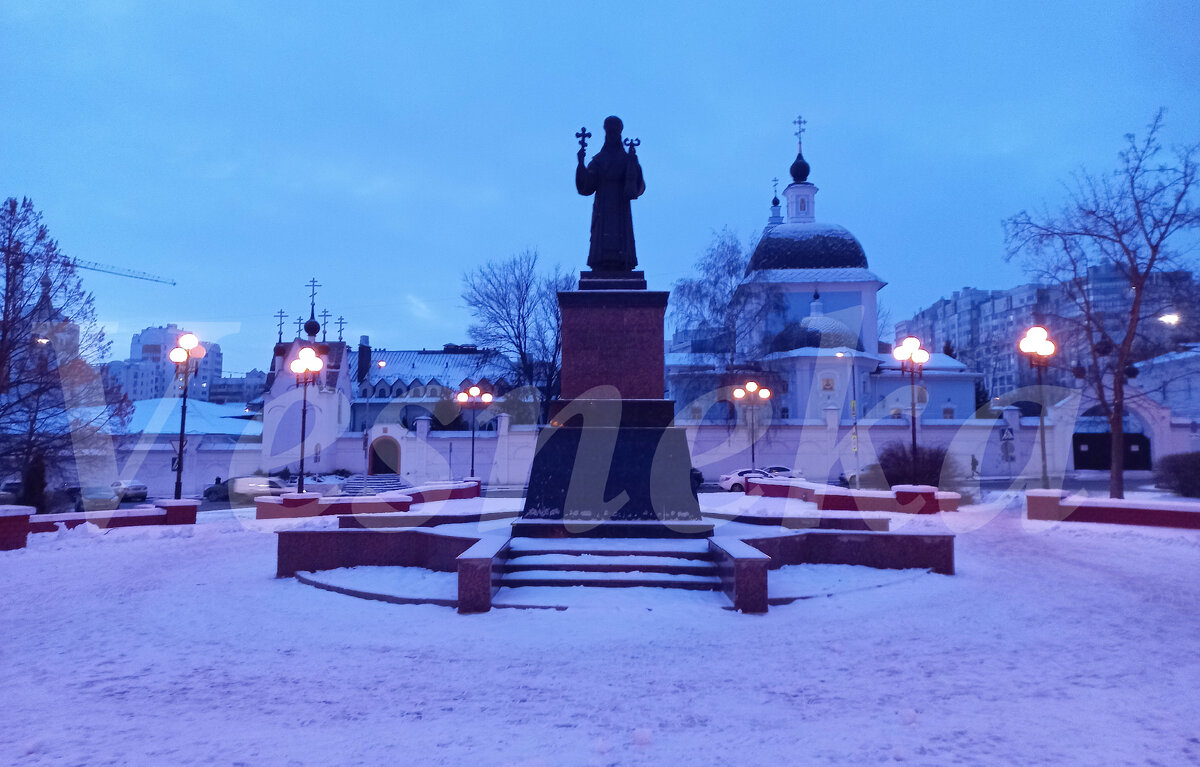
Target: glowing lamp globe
[[473, 391], [739, 393], [462, 396], [178, 355], [188, 341], [920, 356], [764, 393], [297, 366], [751, 386], [486, 397]]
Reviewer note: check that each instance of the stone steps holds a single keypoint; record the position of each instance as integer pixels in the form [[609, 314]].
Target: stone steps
[[622, 562], [610, 563], [610, 579]]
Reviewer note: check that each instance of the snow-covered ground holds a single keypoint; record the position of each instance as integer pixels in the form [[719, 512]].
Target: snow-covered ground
[[1055, 644]]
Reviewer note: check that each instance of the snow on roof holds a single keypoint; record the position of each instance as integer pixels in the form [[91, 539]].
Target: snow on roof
[[937, 361], [1191, 353], [426, 366], [839, 274], [161, 416]]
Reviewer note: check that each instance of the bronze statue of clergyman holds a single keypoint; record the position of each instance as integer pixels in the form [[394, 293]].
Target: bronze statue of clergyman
[[615, 177]]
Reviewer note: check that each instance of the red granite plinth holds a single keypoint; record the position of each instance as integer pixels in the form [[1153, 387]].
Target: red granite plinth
[[613, 338]]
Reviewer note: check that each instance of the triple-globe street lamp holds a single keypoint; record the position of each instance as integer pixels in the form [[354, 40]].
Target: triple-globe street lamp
[[752, 395], [187, 348], [473, 399], [306, 366], [1038, 348], [912, 358]]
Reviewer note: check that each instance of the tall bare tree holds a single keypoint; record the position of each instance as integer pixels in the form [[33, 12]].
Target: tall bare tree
[[51, 400], [515, 307], [1135, 223]]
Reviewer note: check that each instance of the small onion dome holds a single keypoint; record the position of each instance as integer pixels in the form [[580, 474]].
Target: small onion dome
[[312, 327], [800, 168], [807, 246], [821, 332], [775, 201]]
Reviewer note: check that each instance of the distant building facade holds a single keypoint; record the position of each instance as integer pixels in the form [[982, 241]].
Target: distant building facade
[[148, 373], [984, 326]]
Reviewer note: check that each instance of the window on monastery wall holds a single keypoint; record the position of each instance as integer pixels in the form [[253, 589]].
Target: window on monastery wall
[[948, 413], [783, 413], [922, 395], [317, 453]]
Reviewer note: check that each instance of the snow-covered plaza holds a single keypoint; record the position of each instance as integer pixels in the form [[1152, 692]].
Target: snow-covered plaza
[[1055, 643]]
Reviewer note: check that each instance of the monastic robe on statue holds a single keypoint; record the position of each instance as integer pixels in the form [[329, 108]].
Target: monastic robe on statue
[[615, 177]]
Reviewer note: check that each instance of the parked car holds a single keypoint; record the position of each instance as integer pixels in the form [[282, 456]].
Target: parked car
[[244, 489], [130, 490], [783, 472], [736, 481], [91, 497]]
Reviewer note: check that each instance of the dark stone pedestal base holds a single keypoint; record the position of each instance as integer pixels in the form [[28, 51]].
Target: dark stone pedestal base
[[609, 473]]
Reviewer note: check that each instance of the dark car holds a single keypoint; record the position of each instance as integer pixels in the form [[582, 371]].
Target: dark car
[[244, 489]]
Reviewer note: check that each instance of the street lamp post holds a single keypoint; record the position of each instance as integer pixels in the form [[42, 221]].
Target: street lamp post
[[912, 358], [1038, 347], [306, 366], [473, 399], [187, 348], [751, 394], [853, 418]]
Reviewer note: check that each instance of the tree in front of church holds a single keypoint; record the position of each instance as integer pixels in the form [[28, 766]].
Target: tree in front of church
[[1130, 226], [515, 307], [706, 309], [52, 403]]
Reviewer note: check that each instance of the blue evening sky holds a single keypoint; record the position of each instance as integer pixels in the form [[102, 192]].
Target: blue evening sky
[[385, 147]]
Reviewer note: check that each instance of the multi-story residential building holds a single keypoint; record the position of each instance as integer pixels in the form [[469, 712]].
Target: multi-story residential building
[[149, 374], [984, 326]]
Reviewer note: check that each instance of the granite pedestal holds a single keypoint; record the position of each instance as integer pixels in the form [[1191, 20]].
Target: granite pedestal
[[610, 451]]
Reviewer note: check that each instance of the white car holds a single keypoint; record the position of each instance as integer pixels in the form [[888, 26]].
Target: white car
[[736, 481], [129, 490], [783, 472]]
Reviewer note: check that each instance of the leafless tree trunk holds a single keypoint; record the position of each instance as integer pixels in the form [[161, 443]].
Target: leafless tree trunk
[[1136, 221]]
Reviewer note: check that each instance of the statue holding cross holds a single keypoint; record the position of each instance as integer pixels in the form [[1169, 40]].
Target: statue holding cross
[[614, 176]]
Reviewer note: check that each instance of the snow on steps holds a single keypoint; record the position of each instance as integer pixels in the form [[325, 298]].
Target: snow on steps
[[610, 563]]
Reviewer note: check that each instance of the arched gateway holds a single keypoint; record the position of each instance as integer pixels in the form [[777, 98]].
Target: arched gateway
[[384, 456]]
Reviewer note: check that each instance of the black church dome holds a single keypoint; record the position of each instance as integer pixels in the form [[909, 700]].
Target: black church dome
[[807, 246]]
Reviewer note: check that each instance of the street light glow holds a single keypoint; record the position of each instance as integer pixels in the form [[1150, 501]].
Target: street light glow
[[461, 396], [188, 341], [1169, 319], [178, 355], [739, 393], [486, 397], [751, 386], [1037, 343], [474, 391], [764, 393]]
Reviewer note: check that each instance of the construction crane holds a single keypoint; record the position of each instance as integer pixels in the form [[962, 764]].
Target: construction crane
[[119, 271]]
